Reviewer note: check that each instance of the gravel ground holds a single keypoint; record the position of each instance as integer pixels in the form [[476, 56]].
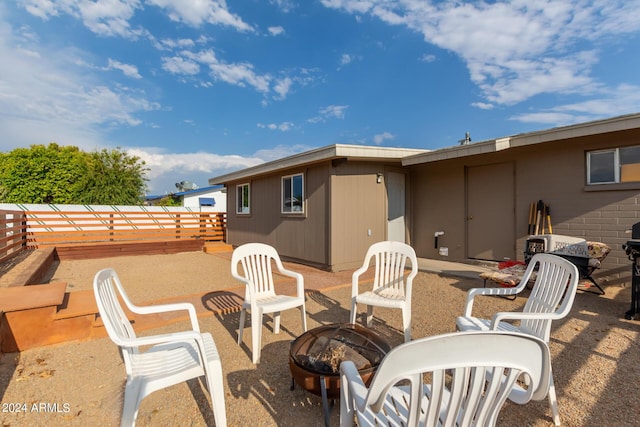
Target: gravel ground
[[596, 357]]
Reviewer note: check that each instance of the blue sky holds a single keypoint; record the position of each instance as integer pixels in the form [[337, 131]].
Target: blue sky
[[199, 88]]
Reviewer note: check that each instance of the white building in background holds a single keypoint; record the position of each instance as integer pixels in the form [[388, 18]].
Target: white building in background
[[213, 198]]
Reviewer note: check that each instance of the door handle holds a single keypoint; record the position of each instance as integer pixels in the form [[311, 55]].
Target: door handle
[[469, 218]]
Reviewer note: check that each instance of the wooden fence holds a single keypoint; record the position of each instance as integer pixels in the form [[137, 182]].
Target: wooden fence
[[40, 229], [13, 234]]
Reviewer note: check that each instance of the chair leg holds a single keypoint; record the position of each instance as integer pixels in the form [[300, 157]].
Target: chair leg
[[243, 315], [406, 323], [553, 402], [256, 335], [216, 390], [303, 311], [353, 310], [369, 316], [276, 322], [132, 398]]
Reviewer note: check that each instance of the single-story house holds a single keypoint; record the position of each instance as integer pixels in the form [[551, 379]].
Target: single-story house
[[213, 197], [326, 206], [210, 199]]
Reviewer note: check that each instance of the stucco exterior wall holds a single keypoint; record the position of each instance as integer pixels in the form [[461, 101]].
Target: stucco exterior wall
[[554, 172]]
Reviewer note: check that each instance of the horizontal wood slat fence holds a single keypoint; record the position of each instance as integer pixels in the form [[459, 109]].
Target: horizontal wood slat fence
[[40, 229], [13, 234]]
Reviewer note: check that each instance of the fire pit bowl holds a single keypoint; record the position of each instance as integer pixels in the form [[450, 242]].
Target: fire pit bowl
[[316, 355]]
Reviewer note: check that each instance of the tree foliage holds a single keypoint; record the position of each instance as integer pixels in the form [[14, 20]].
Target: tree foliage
[[66, 175], [114, 178]]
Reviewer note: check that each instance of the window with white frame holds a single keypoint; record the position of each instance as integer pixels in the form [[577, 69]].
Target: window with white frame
[[293, 193], [242, 199], [614, 165]]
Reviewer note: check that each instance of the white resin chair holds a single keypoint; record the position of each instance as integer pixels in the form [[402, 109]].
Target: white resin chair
[[391, 284], [551, 298], [260, 294], [471, 376], [168, 359]]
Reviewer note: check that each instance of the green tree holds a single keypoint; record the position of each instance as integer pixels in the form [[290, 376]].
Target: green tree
[[114, 178], [42, 174], [169, 200], [64, 175]]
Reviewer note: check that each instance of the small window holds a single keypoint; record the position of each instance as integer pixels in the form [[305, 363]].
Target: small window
[[613, 166], [242, 199], [293, 194]]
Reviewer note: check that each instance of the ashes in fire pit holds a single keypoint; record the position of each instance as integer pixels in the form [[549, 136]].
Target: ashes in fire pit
[[316, 355]]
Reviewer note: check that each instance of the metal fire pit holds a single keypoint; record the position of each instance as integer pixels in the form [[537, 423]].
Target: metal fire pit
[[315, 357]]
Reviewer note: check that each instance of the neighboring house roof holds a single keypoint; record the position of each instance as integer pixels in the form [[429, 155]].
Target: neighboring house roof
[[336, 151], [199, 190], [630, 121]]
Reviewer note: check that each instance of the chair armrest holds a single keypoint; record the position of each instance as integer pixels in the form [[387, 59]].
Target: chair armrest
[[163, 308], [501, 316], [162, 339], [485, 291], [355, 279], [353, 388], [299, 279]]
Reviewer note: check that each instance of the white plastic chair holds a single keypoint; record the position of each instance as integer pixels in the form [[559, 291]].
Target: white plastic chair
[[260, 295], [472, 375], [391, 284], [551, 298], [171, 358]]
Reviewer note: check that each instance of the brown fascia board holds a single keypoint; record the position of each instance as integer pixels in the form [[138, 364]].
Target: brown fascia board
[[458, 151], [620, 123], [349, 152]]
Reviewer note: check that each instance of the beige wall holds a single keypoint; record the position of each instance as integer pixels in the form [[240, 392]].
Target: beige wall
[[295, 236], [343, 202], [553, 172], [358, 205]]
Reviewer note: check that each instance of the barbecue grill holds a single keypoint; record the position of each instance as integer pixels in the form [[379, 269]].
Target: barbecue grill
[[632, 248]]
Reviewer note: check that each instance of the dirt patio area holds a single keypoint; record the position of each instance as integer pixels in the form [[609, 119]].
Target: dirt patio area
[[596, 352]]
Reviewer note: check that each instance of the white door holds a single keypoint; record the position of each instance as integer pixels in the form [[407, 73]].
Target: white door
[[395, 207]]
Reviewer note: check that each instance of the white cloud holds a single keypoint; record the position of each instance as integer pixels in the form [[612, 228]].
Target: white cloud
[[46, 97], [281, 151], [112, 17], [168, 168], [285, 5], [178, 65], [127, 69], [197, 13], [104, 17], [165, 169], [428, 58], [382, 137], [345, 59], [514, 50], [618, 101], [276, 31], [282, 87], [329, 112], [284, 126]]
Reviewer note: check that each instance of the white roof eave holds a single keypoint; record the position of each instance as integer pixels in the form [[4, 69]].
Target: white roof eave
[[351, 152]]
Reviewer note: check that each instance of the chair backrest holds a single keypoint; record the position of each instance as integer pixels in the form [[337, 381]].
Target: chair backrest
[[390, 267], [107, 288], [553, 292], [255, 259], [479, 369]]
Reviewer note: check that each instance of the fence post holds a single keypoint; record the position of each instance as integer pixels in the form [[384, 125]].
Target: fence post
[[177, 226], [23, 231], [111, 227]]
